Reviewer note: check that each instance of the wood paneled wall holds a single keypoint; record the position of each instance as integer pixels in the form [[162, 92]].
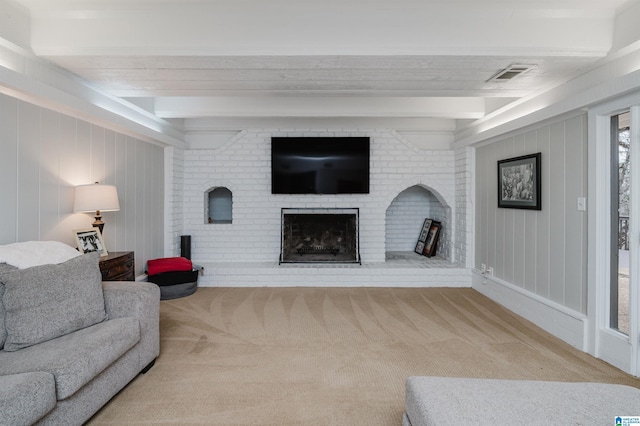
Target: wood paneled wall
[[543, 252], [45, 154]]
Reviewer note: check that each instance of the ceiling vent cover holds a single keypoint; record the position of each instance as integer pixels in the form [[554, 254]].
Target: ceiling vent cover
[[511, 72]]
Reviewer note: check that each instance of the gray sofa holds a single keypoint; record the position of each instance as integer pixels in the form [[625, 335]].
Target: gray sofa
[[69, 341], [460, 401]]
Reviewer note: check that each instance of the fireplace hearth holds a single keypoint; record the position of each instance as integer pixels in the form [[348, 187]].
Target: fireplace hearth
[[319, 236]]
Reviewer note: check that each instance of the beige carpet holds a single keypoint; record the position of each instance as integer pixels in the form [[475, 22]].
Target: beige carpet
[[331, 356]]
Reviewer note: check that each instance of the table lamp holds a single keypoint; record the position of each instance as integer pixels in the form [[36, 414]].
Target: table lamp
[[96, 198]]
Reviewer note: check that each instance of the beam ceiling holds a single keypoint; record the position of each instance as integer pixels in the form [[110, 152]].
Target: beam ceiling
[[228, 58]]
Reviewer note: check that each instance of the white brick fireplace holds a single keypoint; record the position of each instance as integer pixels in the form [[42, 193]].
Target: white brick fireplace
[[407, 184]]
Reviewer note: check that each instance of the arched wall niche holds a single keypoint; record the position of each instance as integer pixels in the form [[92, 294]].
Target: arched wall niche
[[405, 215], [218, 205]]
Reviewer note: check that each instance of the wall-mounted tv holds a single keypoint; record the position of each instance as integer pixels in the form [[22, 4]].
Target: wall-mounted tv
[[319, 165]]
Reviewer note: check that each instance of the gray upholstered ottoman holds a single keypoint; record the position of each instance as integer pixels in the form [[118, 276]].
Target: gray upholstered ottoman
[[447, 401]]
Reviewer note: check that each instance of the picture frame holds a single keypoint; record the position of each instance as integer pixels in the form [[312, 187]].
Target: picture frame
[[431, 243], [423, 236], [89, 240], [519, 182]]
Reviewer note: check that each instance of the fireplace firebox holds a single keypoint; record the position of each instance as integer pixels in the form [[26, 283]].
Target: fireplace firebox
[[312, 235]]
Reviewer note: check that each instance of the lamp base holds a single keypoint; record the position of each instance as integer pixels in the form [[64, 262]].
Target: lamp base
[[98, 223]]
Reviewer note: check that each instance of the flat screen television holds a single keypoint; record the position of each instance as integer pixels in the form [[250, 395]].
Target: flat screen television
[[319, 165]]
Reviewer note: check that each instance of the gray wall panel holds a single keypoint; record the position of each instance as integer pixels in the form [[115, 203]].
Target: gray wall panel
[[45, 154], [8, 168], [543, 252]]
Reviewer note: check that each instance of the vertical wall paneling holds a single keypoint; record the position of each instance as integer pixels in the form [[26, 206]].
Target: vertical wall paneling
[[71, 174], [97, 154], [8, 168], [49, 172], [28, 220], [501, 249], [120, 172], [543, 217], [482, 217], [530, 226], [83, 153], [509, 239], [109, 178], [130, 194], [491, 223], [557, 174], [519, 259], [574, 236], [44, 154], [544, 251], [141, 217]]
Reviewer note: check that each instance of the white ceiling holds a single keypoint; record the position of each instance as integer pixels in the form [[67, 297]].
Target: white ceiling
[[288, 58]]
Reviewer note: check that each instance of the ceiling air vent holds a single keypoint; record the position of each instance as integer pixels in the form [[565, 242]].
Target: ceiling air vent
[[511, 72]]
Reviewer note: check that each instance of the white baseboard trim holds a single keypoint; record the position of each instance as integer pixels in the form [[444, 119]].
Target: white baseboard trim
[[331, 275], [564, 323]]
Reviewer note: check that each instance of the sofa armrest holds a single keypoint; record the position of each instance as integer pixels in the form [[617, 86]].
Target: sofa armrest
[[140, 300], [26, 397]]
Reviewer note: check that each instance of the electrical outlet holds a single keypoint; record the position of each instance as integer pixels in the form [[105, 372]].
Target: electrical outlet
[[483, 268], [582, 204]]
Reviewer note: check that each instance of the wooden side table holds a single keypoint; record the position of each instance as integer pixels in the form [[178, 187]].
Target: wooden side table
[[118, 266]]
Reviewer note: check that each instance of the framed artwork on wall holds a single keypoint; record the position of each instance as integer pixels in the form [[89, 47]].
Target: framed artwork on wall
[[423, 236], [519, 182], [90, 240]]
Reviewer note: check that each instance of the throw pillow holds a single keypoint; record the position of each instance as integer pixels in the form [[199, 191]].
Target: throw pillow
[[34, 253], [49, 301]]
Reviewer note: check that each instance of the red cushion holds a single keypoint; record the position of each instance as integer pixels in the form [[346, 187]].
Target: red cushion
[[168, 264]]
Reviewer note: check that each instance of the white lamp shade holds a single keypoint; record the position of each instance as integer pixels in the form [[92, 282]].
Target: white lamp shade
[[89, 198]]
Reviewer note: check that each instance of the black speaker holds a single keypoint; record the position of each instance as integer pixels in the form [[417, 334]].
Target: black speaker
[[185, 246]]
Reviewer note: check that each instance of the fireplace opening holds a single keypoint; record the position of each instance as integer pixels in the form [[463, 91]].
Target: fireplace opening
[[319, 235]]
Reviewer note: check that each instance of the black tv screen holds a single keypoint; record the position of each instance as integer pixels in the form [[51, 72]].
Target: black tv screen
[[320, 165]]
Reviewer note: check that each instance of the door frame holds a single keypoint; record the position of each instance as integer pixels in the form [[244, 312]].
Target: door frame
[[610, 345]]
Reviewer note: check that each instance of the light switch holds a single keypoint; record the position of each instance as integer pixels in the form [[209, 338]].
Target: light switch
[[582, 204]]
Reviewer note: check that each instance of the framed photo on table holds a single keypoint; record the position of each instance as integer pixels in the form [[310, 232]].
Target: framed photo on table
[[90, 240], [423, 236], [519, 182]]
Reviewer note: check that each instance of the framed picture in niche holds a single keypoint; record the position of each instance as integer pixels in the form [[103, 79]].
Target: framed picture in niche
[[90, 240], [519, 182], [423, 236], [431, 244]]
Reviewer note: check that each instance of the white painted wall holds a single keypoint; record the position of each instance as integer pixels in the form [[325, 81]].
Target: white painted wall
[[542, 252], [44, 154], [243, 166]]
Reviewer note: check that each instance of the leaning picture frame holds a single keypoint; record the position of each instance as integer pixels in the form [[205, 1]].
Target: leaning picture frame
[[89, 240], [431, 244], [423, 236], [519, 182]]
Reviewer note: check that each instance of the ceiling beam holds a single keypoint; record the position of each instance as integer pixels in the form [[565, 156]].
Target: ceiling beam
[[331, 27], [438, 107]]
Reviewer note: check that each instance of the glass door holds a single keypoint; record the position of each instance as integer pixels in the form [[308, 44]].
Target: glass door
[[619, 302], [614, 234]]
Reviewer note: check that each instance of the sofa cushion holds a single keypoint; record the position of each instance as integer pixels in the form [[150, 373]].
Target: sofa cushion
[[3, 329], [49, 301], [76, 358], [35, 253], [26, 397]]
